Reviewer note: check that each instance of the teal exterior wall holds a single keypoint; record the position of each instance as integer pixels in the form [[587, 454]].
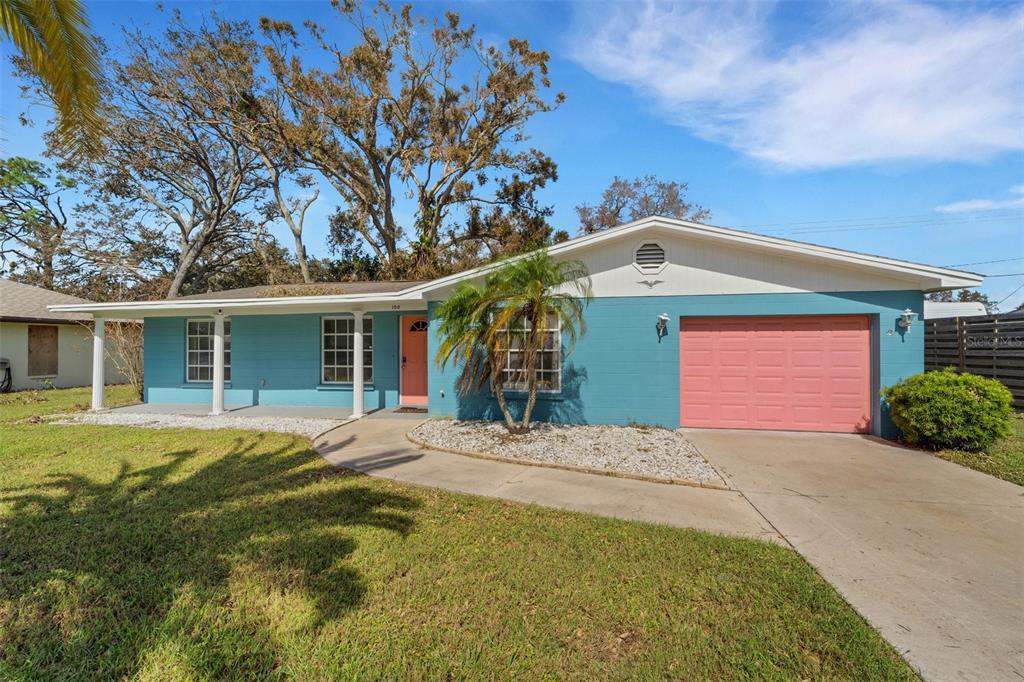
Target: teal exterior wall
[[275, 360], [622, 372], [619, 372]]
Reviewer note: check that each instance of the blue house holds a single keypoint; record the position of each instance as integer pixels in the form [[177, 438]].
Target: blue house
[[690, 325]]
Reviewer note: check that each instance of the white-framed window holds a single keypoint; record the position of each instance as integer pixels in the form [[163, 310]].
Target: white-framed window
[[649, 258], [549, 363], [199, 350], [336, 349]]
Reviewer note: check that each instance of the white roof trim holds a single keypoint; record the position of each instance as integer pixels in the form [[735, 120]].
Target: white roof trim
[[174, 304], [937, 278], [944, 278]]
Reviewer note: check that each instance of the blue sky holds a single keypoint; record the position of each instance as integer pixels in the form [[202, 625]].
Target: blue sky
[[894, 129]]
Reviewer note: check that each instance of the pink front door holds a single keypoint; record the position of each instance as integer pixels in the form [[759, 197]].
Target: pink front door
[[808, 373], [413, 390]]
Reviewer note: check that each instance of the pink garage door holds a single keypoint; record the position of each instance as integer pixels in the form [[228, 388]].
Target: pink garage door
[[791, 373]]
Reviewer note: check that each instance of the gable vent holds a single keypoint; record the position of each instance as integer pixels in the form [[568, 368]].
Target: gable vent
[[650, 255]]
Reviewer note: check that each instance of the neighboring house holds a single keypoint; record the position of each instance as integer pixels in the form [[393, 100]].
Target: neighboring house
[[935, 310], [43, 347], [758, 332]]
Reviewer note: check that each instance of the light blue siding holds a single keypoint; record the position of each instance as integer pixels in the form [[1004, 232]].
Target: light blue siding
[[275, 360], [621, 372]]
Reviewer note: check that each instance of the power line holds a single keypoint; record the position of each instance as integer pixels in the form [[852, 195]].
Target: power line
[[893, 226], [1008, 274], [920, 221], [1010, 294], [984, 262], [827, 222], [933, 220]]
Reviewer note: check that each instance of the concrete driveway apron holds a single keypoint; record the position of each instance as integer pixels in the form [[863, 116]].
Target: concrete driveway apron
[[931, 553]]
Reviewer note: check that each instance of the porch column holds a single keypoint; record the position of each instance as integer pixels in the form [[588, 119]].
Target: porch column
[[357, 365], [98, 361], [218, 365]]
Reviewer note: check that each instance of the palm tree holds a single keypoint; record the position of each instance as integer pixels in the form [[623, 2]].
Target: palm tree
[[517, 307], [53, 38], [465, 318]]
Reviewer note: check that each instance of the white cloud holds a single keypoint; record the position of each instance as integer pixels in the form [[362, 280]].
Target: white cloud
[[886, 83], [985, 204]]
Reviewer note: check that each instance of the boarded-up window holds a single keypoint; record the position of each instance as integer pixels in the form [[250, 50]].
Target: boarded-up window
[[42, 350]]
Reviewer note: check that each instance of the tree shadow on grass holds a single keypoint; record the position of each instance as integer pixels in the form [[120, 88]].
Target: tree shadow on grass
[[95, 575]]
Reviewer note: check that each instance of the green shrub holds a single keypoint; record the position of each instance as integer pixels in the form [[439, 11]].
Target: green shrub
[[945, 409]]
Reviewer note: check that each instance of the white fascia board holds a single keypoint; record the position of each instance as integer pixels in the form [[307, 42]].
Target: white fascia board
[[936, 278], [285, 304]]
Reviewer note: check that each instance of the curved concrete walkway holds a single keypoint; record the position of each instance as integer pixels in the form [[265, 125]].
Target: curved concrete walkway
[[377, 446]]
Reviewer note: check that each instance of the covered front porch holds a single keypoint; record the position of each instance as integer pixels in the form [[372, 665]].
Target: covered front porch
[[322, 356]]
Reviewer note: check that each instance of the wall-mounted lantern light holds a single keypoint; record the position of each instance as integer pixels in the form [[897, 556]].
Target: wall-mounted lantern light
[[907, 318], [662, 325]]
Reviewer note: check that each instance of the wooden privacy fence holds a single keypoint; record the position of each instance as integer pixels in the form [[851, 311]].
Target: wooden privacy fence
[[991, 346]]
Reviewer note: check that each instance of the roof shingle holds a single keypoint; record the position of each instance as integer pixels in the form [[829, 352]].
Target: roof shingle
[[26, 303], [313, 289]]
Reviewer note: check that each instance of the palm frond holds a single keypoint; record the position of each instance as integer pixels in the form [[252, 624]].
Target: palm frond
[[477, 323], [53, 37]]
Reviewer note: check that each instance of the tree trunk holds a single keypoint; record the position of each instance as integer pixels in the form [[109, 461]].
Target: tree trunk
[[286, 213], [535, 341], [300, 252], [390, 241], [499, 393], [188, 259], [510, 423], [47, 272], [531, 400]]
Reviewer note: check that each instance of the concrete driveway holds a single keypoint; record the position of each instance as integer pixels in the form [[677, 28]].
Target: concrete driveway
[[931, 553]]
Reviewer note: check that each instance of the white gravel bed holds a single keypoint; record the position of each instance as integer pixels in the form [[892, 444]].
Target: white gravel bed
[[302, 426], [647, 451]]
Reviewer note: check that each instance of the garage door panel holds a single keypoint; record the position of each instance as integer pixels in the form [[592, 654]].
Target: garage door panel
[[846, 358], [770, 388], [700, 358], [702, 414], [764, 357], [807, 357], [695, 385], [809, 414], [769, 414], [802, 382], [840, 414], [804, 373], [732, 358], [845, 386], [732, 384], [734, 411]]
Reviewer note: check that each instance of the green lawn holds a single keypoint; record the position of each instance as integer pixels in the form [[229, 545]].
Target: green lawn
[[1004, 460], [187, 555], [26, 404]]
